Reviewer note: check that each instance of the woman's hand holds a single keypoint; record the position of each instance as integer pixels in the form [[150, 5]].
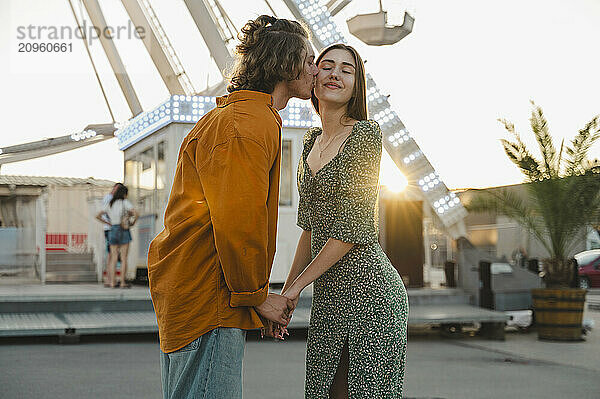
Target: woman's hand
[[292, 294], [99, 217], [279, 332]]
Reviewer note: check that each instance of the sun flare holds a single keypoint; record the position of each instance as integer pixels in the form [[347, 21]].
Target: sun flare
[[390, 176]]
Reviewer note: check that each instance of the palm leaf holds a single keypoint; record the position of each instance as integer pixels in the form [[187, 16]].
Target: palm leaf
[[519, 154], [559, 161], [580, 146], [539, 125]]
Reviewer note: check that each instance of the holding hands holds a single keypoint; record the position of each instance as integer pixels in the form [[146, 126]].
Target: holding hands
[[276, 313]]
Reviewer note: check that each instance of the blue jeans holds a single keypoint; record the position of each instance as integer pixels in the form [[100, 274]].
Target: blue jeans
[[210, 367]]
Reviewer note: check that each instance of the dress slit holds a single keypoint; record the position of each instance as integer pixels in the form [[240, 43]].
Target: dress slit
[[345, 345]]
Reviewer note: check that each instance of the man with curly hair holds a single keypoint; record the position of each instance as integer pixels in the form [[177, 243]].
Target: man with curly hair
[[209, 268]]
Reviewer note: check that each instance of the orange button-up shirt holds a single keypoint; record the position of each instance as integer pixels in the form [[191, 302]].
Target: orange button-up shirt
[[211, 263]]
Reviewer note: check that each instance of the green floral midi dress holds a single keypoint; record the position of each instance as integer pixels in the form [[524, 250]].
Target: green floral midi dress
[[361, 299]]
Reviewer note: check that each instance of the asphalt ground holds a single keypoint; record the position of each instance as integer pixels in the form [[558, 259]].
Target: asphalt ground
[[127, 366]]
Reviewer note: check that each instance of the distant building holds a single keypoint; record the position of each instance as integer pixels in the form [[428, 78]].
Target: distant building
[[48, 214], [501, 237]]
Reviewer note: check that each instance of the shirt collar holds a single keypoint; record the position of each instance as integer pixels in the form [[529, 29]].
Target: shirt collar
[[242, 95]]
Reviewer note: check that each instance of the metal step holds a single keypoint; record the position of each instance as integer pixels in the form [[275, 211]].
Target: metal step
[[93, 309], [70, 266], [32, 324], [459, 314], [112, 322], [38, 324], [69, 255], [71, 277], [64, 267], [448, 296]]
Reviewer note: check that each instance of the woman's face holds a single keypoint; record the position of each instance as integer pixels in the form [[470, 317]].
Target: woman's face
[[335, 81]]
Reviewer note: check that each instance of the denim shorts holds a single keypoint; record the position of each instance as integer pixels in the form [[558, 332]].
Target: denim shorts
[[209, 367], [118, 236]]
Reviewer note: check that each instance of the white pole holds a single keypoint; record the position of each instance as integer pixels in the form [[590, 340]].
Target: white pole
[[40, 228]]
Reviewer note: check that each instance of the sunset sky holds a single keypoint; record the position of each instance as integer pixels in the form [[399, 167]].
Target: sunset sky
[[466, 64]]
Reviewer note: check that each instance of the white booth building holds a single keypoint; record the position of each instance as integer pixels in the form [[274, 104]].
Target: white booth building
[[151, 144]]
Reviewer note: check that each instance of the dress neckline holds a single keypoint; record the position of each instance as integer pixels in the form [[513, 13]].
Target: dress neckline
[[313, 139]]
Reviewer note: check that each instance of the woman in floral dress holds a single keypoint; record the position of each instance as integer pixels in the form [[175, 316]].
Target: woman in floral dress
[[356, 344]]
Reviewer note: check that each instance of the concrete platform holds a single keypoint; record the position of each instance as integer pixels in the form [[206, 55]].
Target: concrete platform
[[70, 310], [453, 314], [31, 324], [429, 296], [69, 292], [81, 323]]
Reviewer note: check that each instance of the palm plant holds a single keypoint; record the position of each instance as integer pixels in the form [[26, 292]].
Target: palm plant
[[563, 192]]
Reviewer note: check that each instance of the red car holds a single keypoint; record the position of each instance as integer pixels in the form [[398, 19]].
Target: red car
[[589, 268]]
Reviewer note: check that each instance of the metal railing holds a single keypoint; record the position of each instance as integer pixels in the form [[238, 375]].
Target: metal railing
[[66, 242]]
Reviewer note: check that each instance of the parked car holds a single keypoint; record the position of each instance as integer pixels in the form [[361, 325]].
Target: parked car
[[589, 268]]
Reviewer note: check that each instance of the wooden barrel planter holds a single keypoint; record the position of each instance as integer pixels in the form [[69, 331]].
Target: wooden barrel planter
[[559, 313]]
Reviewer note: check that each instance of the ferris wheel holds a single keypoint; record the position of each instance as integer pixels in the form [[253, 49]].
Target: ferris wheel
[[219, 32]]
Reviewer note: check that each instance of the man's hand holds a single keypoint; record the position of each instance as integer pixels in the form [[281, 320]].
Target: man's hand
[[273, 330], [268, 329], [276, 308]]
